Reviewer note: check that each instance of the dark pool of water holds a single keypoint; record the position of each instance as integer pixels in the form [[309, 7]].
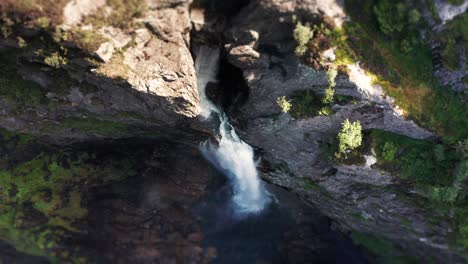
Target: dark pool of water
[[287, 231]]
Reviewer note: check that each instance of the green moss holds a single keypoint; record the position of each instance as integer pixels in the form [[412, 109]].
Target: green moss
[[41, 198], [15, 89], [305, 104], [455, 2], [414, 160], [88, 40], [123, 15], [91, 125], [309, 185], [385, 250]]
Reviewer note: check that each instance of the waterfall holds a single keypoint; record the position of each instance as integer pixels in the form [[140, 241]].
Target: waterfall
[[448, 11], [231, 155]]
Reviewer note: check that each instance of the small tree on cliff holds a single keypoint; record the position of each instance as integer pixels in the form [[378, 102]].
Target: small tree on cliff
[[284, 104], [349, 137], [302, 34]]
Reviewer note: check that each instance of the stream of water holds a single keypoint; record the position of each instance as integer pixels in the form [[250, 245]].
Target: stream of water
[[230, 154]]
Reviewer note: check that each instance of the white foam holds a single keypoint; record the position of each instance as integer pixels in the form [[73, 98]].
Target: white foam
[[231, 155]]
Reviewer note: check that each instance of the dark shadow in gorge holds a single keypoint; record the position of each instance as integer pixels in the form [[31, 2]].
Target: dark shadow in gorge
[[287, 231]]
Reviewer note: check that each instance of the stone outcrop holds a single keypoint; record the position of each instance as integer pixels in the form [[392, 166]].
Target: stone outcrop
[[146, 80]]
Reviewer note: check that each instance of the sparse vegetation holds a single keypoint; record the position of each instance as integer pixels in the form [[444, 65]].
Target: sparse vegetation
[[387, 251], [90, 125], [123, 14], [305, 104], [38, 12], [115, 69], [42, 198]]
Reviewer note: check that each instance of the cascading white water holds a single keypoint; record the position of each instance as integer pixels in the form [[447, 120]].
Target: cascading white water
[[231, 155], [448, 11]]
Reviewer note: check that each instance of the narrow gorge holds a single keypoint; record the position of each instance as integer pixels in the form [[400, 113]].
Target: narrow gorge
[[235, 131]]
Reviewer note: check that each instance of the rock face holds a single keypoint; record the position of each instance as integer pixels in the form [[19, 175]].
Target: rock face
[[147, 79], [161, 63], [359, 198]]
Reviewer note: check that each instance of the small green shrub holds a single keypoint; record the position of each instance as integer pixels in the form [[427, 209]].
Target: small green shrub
[[55, 59], [284, 104], [302, 34], [325, 111], [389, 151], [328, 95], [43, 22], [21, 42], [349, 137]]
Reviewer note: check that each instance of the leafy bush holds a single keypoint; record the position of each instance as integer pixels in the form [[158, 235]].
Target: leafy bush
[[55, 59], [325, 111], [284, 104], [302, 34], [389, 151], [349, 137]]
